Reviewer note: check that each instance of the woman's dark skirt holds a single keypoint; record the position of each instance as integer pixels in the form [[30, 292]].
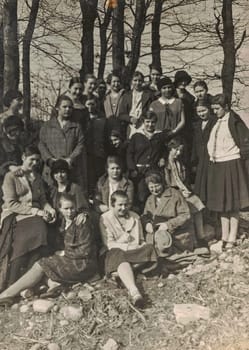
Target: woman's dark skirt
[[115, 256], [66, 270], [227, 186], [28, 235], [200, 186]]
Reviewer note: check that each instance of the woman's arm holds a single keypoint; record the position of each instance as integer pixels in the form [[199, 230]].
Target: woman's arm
[[109, 240], [182, 213], [181, 123], [79, 146]]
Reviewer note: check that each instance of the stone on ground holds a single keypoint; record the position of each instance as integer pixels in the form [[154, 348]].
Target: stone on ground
[[42, 306], [73, 313], [111, 344], [187, 313]]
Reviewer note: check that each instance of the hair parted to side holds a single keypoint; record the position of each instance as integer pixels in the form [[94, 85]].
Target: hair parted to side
[[66, 197], [117, 194], [200, 83], [89, 76], [220, 99], [154, 177], [138, 74], [149, 115], [74, 80], [203, 102], [115, 74], [114, 160], [31, 150], [62, 98]]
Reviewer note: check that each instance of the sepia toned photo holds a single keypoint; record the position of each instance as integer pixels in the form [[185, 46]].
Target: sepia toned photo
[[124, 174]]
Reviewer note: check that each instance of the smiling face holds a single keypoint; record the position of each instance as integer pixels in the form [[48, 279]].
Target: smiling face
[[67, 209], [202, 112], [90, 85], [114, 171], [30, 163], [156, 188], [137, 83], [154, 75], [61, 176], [115, 84], [76, 91], [121, 206], [115, 141], [149, 125], [65, 109]]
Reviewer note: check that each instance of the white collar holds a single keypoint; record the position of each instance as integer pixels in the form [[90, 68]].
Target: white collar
[[167, 101]]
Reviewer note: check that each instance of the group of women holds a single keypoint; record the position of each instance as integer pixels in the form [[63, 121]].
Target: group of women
[[120, 180]]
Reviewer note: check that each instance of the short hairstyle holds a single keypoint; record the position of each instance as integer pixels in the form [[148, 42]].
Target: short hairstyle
[[13, 120], [117, 194], [154, 177], [200, 83], [30, 150], [111, 75], [138, 74], [11, 95], [114, 160], [59, 164], [220, 99], [175, 142], [62, 98], [75, 80], [204, 102], [89, 76], [155, 67], [149, 115], [63, 197]]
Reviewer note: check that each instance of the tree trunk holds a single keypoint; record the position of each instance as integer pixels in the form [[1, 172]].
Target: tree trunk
[[118, 59], [10, 45], [228, 44], [155, 35], [26, 59], [103, 42], [1, 64], [140, 18], [89, 14]]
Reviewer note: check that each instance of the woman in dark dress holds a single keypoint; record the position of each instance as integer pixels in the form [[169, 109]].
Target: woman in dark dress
[[76, 263], [24, 216], [200, 156]]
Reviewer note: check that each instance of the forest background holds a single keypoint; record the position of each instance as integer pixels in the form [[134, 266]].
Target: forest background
[[45, 42]]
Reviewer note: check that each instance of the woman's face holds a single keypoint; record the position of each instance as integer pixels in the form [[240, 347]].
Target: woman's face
[[154, 76], [76, 90], [30, 163], [16, 104], [176, 151], [61, 176], [156, 189], [90, 85], [167, 91], [115, 84], [67, 209], [115, 141], [13, 133], [137, 83], [202, 112], [219, 111], [121, 206], [200, 92], [114, 171], [149, 125], [65, 109]]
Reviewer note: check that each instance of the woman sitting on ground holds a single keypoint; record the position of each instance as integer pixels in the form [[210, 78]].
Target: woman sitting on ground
[[122, 235], [24, 216], [112, 181], [167, 210], [76, 263]]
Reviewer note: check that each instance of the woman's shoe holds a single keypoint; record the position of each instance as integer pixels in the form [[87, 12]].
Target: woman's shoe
[[230, 246], [8, 301], [137, 299]]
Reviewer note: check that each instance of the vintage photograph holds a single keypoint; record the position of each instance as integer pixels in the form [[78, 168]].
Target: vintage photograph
[[124, 174]]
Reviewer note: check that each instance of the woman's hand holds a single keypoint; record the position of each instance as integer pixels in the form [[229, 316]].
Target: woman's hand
[[149, 228], [162, 226], [16, 170], [103, 208], [81, 218]]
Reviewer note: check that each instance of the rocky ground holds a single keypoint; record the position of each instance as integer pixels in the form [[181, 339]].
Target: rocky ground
[[204, 306]]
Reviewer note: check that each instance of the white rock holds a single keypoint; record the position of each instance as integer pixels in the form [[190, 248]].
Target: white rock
[[71, 295], [216, 247], [64, 323], [238, 264], [53, 346], [85, 294], [24, 308], [42, 306], [111, 344], [187, 313], [14, 307], [160, 285], [72, 312]]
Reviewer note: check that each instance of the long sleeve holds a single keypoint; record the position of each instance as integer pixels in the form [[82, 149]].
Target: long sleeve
[[130, 155], [45, 153], [183, 214], [79, 146], [108, 238], [12, 200]]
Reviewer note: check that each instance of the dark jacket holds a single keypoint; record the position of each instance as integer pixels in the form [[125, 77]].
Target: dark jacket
[[240, 134]]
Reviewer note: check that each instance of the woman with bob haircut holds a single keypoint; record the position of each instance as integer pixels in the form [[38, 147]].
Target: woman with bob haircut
[[227, 183]]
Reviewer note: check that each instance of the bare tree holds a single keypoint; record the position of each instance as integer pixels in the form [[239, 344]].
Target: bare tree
[[10, 45], [155, 34], [227, 40], [89, 14], [118, 58], [26, 57], [1, 64]]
